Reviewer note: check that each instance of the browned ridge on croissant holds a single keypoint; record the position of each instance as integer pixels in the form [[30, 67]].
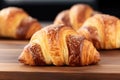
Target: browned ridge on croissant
[[17, 24], [59, 45]]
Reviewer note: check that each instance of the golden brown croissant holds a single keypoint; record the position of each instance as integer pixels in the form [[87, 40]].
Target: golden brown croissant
[[75, 16], [103, 30], [59, 45], [16, 23]]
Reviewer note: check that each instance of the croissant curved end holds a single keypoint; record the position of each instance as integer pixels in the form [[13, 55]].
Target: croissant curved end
[[26, 57]]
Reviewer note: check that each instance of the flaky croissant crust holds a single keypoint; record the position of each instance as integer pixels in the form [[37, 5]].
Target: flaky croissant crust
[[59, 45]]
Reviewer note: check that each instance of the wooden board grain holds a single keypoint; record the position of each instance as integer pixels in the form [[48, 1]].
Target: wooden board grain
[[11, 69]]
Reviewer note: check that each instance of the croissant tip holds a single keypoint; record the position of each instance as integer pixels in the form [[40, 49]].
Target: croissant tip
[[21, 60]]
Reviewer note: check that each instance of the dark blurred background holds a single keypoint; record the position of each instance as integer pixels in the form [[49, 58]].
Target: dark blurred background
[[46, 10]]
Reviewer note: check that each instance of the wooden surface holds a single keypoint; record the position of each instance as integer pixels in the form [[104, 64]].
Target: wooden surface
[[10, 69]]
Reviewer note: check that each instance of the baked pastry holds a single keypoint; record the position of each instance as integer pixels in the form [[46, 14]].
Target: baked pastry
[[15, 23], [75, 16], [59, 45], [63, 18], [103, 31]]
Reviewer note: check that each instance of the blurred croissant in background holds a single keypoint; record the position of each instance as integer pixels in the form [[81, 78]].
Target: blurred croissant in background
[[15, 23], [75, 16], [103, 30]]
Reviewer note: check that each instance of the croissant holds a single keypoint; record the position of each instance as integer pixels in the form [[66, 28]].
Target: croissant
[[75, 16], [59, 45], [103, 30], [17, 24]]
